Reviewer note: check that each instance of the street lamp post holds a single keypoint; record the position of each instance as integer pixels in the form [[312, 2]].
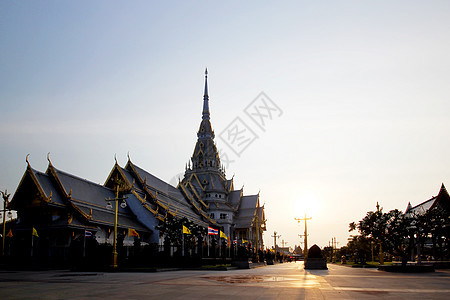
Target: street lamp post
[[371, 243], [306, 234], [109, 206], [380, 253], [5, 204], [275, 236], [414, 228]]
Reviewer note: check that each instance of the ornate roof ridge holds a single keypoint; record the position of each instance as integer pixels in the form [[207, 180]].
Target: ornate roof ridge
[[80, 178]]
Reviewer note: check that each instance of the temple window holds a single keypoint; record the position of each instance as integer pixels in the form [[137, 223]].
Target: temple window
[[223, 216]]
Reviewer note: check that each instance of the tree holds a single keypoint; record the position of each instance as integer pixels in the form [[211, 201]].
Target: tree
[[389, 230], [440, 232], [172, 228], [397, 231], [359, 248], [432, 225]]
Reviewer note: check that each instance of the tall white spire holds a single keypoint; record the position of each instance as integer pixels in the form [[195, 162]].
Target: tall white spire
[[206, 98]]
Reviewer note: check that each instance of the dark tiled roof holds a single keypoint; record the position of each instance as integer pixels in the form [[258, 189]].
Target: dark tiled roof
[[170, 195], [142, 214], [48, 187], [249, 201], [247, 211], [88, 196], [155, 182], [84, 190], [104, 216], [234, 198]]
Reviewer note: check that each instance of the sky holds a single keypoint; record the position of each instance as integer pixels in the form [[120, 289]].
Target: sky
[[361, 91]]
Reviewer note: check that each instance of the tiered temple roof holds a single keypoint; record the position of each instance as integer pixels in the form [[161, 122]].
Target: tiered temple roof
[[204, 189], [442, 200], [205, 183]]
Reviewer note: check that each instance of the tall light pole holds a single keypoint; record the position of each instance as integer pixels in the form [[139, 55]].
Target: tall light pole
[[306, 233], [109, 206], [257, 236], [303, 250], [275, 236], [5, 204], [380, 254]]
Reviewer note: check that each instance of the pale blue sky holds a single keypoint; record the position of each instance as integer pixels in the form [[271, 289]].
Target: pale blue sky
[[364, 90]]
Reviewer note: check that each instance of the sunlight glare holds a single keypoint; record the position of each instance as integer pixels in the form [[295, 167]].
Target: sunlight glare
[[306, 205]]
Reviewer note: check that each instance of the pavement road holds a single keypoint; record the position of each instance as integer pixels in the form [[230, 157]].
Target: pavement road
[[282, 281]]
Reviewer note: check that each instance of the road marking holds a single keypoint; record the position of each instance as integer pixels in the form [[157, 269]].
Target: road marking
[[356, 289]]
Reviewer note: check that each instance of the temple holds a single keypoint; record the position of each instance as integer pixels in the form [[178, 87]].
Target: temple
[[441, 201], [206, 186], [63, 209]]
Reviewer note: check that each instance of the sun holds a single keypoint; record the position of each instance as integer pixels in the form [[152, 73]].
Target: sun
[[306, 205]]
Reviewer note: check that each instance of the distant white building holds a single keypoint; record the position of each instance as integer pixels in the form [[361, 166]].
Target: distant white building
[[442, 200]]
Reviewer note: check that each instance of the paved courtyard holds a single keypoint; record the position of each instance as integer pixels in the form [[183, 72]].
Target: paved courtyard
[[283, 281]]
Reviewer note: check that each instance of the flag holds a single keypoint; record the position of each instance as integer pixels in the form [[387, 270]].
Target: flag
[[9, 234], [186, 230], [35, 232], [132, 232], [88, 233], [212, 231], [244, 241], [222, 235]]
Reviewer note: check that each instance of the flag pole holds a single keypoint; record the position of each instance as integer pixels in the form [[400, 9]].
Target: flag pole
[[229, 245], [182, 242], [32, 242], [84, 244]]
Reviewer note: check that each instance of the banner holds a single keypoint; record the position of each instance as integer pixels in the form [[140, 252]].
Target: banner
[[132, 232], [212, 231], [35, 232], [186, 230], [222, 235]]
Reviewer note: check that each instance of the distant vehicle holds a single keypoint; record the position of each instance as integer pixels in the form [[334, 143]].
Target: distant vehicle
[[297, 257]]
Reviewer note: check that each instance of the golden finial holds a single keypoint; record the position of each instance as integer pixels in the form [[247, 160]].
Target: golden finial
[[48, 158], [26, 159], [378, 207], [115, 157]]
